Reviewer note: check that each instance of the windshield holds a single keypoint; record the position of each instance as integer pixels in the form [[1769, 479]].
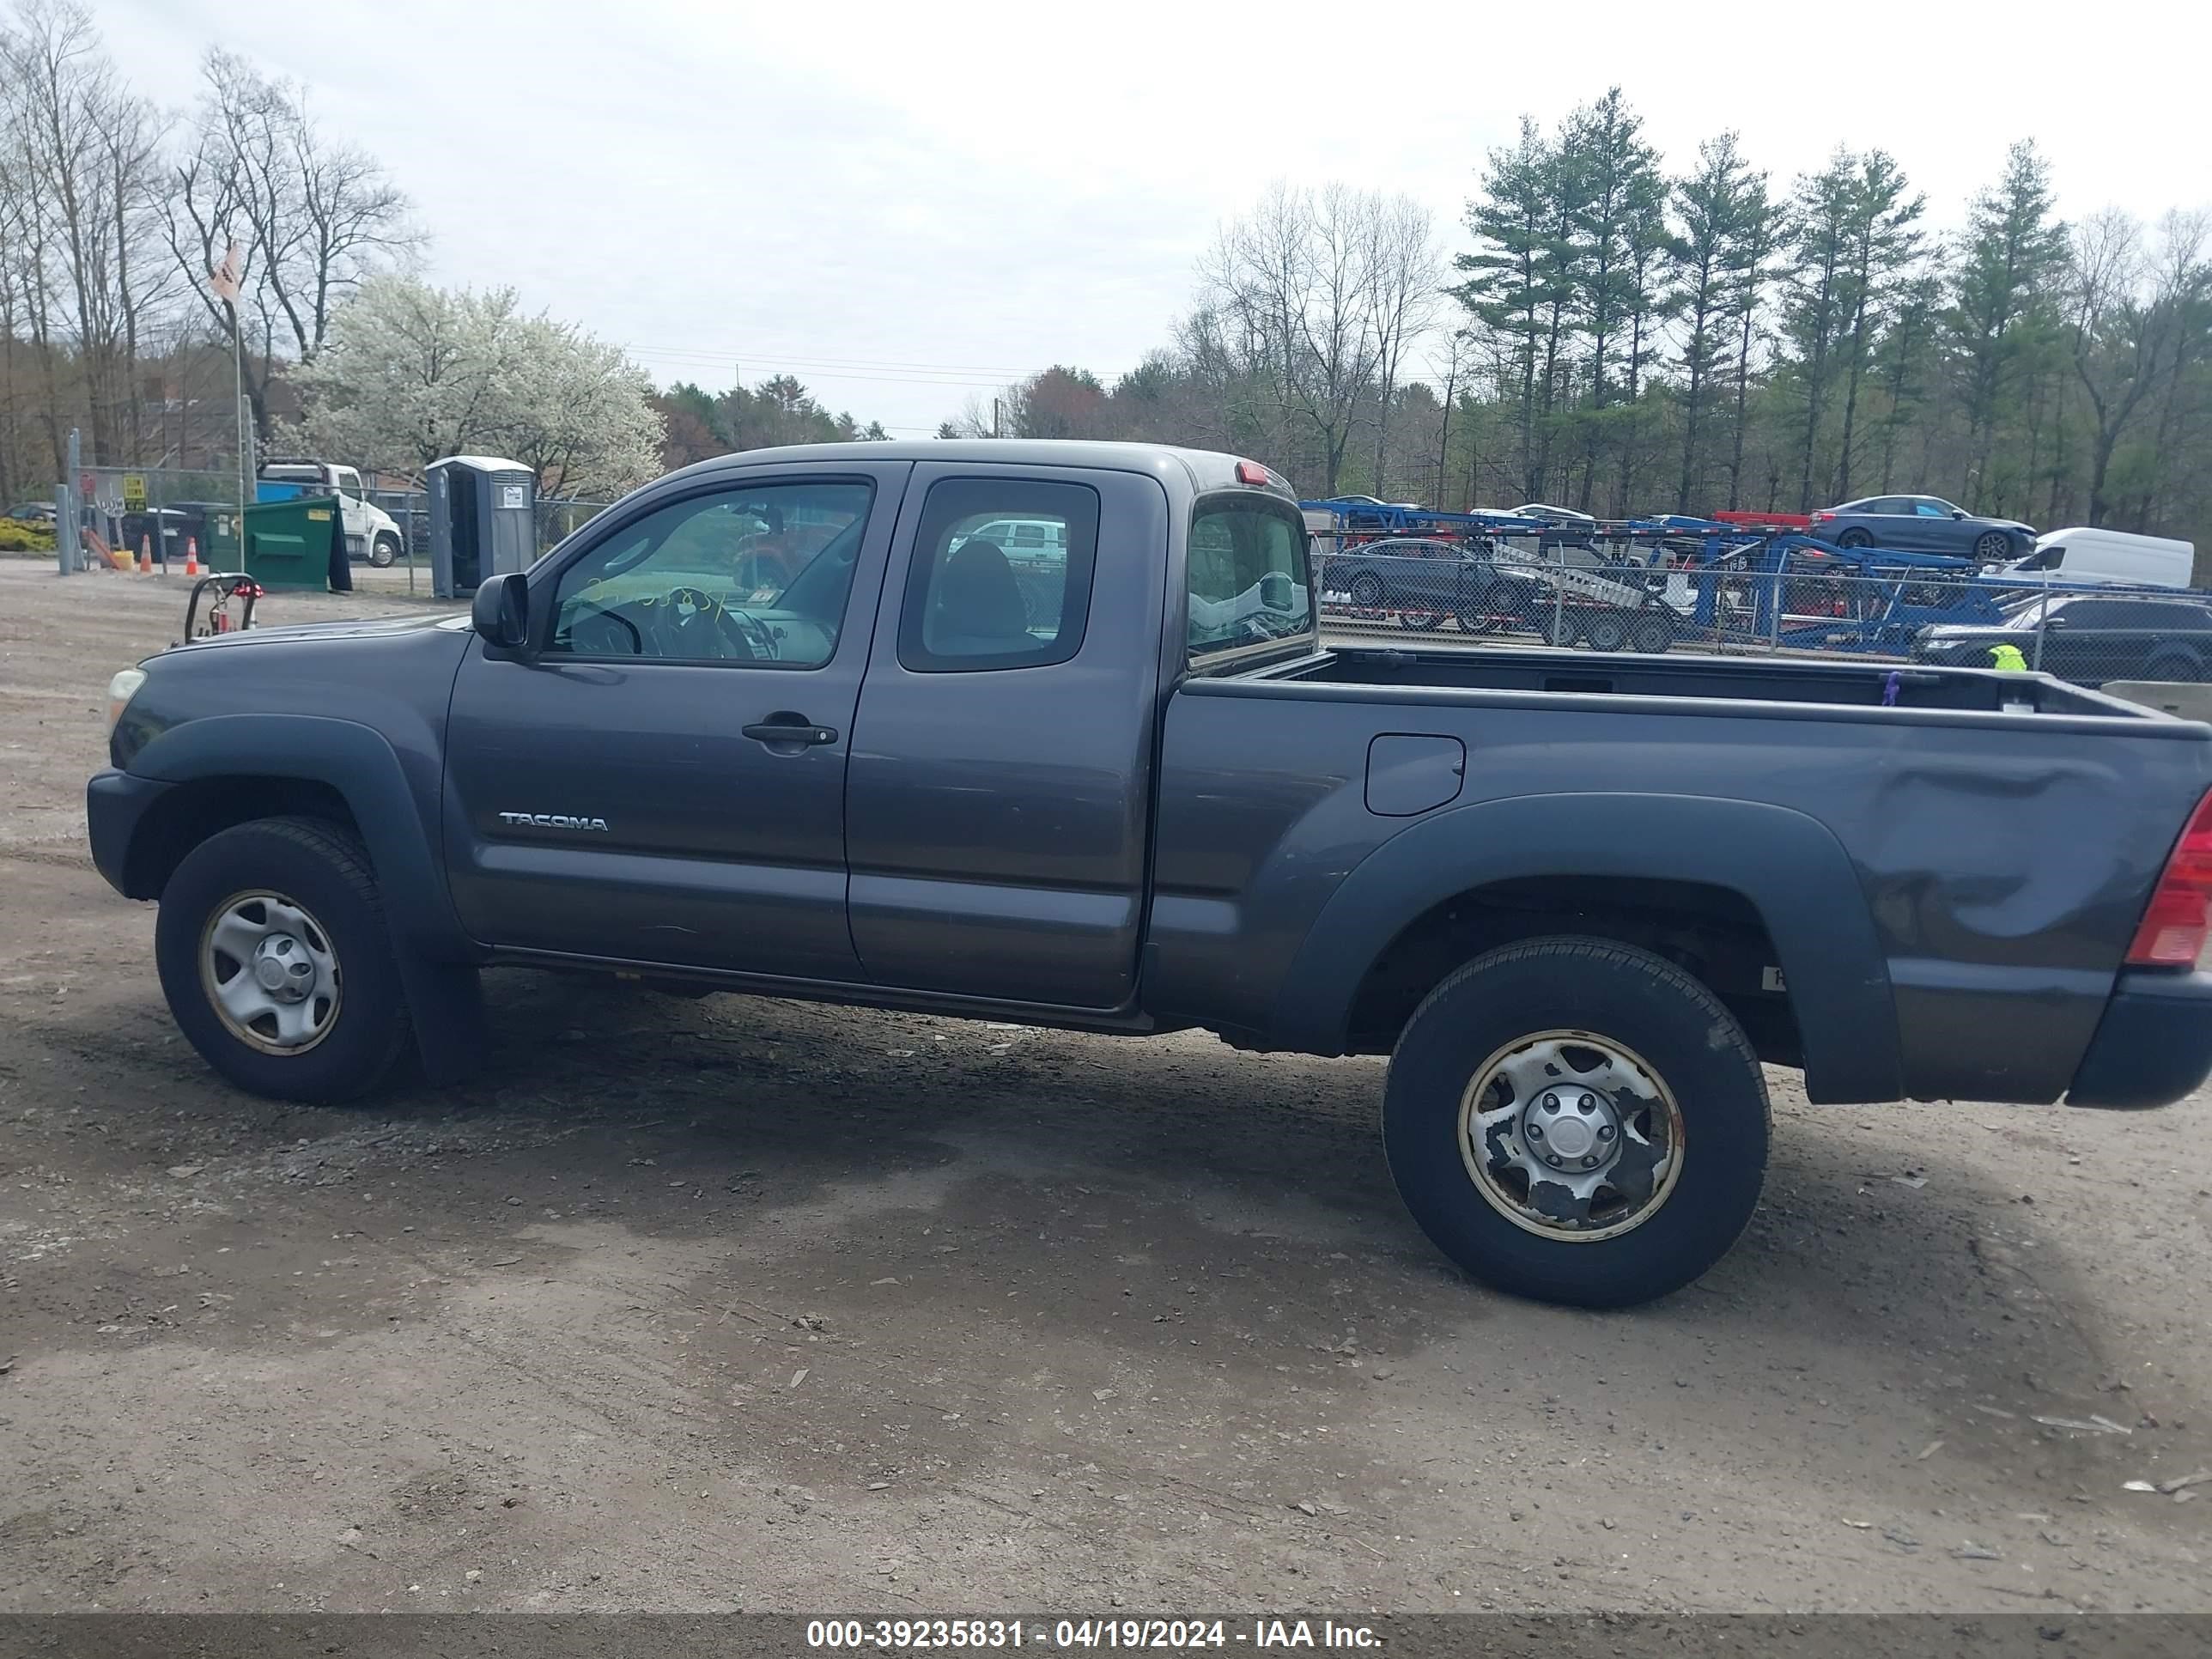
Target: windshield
[[1248, 573]]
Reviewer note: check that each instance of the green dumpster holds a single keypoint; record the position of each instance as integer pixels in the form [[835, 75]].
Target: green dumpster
[[300, 542], [214, 524]]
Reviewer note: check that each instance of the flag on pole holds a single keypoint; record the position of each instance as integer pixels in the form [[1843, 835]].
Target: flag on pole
[[228, 278]]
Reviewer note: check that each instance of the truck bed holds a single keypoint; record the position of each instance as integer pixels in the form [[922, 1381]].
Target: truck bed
[[1735, 679], [1949, 882]]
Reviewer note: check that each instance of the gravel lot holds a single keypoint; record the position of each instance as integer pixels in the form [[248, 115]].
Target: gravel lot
[[743, 1304]]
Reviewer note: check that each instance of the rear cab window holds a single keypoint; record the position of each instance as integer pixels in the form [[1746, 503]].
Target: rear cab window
[[1250, 585], [1000, 575]]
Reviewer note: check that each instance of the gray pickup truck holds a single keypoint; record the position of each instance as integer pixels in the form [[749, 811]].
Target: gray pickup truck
[[1046, 732]]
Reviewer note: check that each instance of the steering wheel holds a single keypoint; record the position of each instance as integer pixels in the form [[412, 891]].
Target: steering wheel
[[690, 610], [599, 613]]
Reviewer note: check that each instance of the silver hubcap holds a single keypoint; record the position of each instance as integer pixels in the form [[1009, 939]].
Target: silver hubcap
[[1571, 1135], [269, 971]]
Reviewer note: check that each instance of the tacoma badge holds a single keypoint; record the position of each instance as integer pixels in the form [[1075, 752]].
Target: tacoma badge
[[552, 821]]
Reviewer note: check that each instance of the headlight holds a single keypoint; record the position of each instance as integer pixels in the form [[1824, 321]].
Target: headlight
[[120, 690]]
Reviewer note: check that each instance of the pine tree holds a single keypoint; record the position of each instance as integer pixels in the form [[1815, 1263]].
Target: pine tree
[[1513, 279], [2009, 260], [1710, 207], [1819, 303], [1906, 355], [1883, 244], [1620, 187], [1750, 265]]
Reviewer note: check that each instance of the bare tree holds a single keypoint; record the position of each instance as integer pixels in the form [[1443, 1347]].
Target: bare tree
[[82, 146], [2181, 305], [311, 218], [1295, 280], [1406, 292]]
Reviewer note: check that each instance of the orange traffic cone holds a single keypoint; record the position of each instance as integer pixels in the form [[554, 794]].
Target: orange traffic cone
[[145, 555], [192, 555]]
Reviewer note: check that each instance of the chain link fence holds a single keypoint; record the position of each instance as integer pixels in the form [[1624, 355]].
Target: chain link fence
[[164, 510], [1456, 592], [410, 509]]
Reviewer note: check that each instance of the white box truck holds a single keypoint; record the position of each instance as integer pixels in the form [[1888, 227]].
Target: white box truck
[[371, 533]]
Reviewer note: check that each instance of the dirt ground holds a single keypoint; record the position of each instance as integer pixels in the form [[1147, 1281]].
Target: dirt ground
[[743, 1304]]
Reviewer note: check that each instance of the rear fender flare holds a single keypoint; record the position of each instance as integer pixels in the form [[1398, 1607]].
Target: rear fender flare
[[1790, 867]]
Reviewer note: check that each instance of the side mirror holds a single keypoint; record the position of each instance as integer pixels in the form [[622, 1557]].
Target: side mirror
[[501, 611], [1958, 512]]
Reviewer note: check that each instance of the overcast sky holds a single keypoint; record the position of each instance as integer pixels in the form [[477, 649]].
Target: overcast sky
[[906, 203]]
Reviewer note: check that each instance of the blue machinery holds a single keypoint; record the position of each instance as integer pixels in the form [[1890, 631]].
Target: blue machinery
[[1749, 582]]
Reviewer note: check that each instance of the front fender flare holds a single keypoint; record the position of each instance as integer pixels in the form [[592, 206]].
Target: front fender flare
[[357, 762], [1790, 867]]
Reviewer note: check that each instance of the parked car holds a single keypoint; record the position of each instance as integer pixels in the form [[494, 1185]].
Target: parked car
[[2087, 638], [1563, 528], [1577, 900], [1426, 579], [1923, 524], [2088, 554], [33, 512]]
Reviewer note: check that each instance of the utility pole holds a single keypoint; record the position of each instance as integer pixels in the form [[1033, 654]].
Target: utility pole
[[245, 420], [996, 407]]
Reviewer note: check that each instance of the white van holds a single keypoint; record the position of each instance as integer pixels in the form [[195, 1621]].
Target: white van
[[2086, 555]]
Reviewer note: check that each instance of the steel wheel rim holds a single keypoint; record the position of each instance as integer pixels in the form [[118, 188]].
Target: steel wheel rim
[[1540, 1082], [267, 969]]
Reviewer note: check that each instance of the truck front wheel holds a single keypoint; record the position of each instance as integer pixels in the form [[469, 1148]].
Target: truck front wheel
[[383, 550], [277, 964], [1576, 1121]]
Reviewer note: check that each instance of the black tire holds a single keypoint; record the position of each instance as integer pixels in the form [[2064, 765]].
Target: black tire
[[1500, 605], [1366, 590], [1624, 996], [327, 872], [382, 551], [1992, 547], [1855, 537], [1478, 618], [1651, 635], [1608, 631], [1565, 628]]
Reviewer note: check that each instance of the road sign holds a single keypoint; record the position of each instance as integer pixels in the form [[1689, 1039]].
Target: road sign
[[134, 492]]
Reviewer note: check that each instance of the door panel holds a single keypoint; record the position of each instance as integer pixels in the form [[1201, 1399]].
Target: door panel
[[613, 805], [998, 817]]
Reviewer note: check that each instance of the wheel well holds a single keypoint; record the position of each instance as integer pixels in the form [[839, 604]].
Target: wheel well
[[1712, 933], [193, 811]]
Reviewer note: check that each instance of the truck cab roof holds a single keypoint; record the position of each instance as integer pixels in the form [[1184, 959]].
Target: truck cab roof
[[1206, 470]]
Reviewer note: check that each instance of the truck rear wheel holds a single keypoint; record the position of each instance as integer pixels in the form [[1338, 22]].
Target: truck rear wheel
[[277, 963], [1576, 1121]]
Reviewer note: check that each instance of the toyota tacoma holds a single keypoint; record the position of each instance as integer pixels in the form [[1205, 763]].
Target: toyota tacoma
[[1120, 783]]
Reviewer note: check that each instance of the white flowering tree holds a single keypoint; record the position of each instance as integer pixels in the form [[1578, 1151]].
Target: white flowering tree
[[412, 373]]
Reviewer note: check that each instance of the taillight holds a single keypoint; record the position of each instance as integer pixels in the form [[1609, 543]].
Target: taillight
[[1822, 518], [2173, 931]]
